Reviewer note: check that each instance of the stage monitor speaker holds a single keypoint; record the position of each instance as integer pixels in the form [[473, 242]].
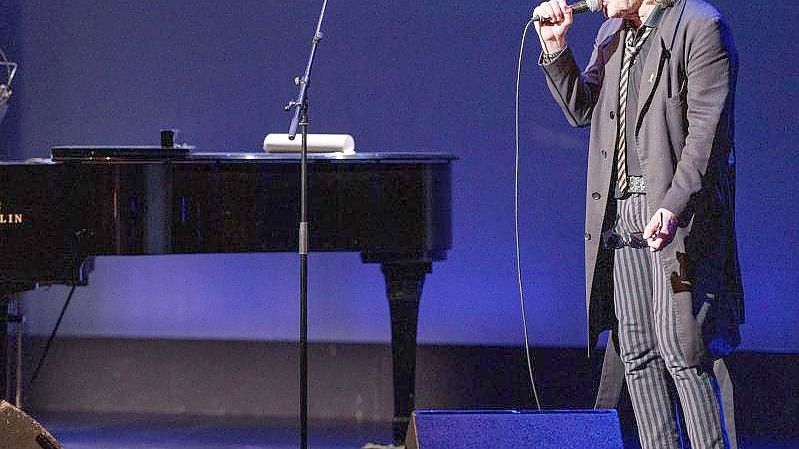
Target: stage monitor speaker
[[20, 431], [507, 429]]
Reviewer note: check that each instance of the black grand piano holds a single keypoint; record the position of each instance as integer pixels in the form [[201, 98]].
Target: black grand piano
[[393, 208]]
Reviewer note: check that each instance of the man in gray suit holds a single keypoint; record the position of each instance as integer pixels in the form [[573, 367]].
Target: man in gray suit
[[661, 260]]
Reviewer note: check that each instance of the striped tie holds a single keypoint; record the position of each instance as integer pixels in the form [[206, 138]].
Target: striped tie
[[632, 45]]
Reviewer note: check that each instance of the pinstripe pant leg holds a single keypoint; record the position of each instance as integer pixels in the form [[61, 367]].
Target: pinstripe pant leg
[[695, 384], [645, 371]]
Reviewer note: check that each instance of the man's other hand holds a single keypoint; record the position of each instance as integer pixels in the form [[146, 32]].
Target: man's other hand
[[660, 230]]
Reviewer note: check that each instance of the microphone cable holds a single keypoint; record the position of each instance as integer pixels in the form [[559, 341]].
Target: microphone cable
[[519, 275]]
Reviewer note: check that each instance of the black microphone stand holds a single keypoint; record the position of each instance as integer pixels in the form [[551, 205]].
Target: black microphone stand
[[300, 118]]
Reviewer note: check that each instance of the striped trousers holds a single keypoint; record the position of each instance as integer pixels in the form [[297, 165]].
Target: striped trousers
[[654, 364]]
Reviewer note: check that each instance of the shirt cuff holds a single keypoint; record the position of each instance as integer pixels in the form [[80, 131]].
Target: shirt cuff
[[549, 58]]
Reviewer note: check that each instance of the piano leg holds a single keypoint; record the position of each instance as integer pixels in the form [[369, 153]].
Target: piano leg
[[404, 283]]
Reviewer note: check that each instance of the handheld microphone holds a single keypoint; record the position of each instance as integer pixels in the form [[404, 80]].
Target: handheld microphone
[[577, 8]]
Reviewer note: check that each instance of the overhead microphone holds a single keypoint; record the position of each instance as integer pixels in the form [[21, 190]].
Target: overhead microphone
[[577, 8]]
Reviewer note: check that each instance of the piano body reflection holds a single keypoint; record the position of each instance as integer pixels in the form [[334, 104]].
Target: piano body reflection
[[392, 208]]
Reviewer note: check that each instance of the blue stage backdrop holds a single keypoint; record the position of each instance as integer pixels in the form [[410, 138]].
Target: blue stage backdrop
[[400, 76]]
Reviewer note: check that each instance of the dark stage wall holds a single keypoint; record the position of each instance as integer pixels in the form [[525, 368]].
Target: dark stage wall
[[352, 382], [400, 76]]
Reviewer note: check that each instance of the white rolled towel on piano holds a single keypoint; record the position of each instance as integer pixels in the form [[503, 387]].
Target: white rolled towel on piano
[[317, 143]]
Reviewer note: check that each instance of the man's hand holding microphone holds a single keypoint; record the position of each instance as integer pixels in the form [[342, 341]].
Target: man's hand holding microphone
[[555, 19]]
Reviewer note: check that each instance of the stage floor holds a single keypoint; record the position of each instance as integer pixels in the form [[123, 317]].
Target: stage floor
[[86, 431]]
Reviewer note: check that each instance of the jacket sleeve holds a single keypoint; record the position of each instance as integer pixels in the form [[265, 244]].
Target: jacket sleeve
[[576, 92], [710, 72]]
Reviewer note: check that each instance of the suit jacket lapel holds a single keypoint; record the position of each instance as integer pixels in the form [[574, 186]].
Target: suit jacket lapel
[[663, 39], [615, 45]]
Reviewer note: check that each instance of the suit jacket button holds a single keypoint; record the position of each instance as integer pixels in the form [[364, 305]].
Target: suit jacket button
[[612, 115], [604, 154], [587, 236], [596, 195]]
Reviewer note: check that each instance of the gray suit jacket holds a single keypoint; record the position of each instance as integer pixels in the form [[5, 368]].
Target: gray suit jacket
[[685, 126]]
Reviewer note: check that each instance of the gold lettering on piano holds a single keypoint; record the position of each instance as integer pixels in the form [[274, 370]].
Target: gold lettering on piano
[[10, 218]]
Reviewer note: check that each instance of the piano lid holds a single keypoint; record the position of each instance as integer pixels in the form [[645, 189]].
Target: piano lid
[[183, 154]]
